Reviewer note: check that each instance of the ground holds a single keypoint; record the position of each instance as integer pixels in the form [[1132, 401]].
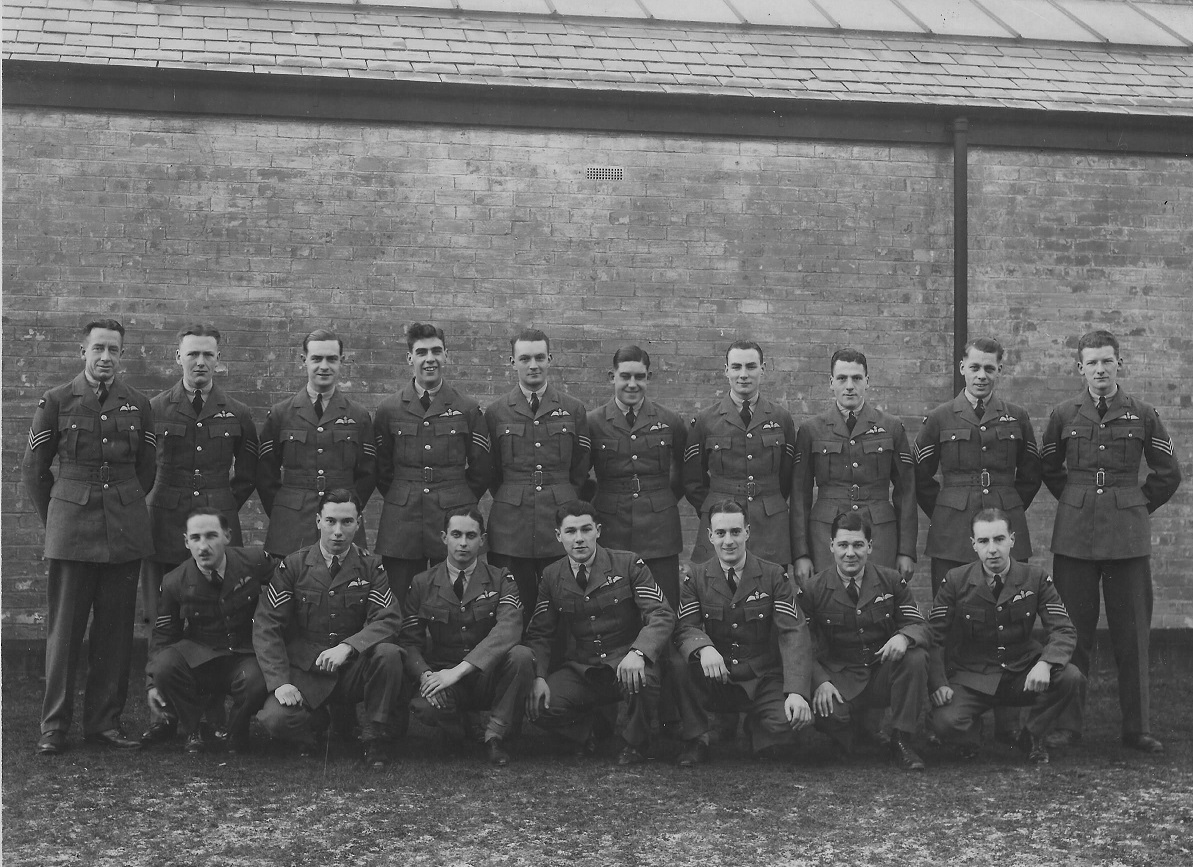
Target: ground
[[1096, 803]]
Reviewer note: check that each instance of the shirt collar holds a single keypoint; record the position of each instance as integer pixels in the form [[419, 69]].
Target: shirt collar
[[1109, 397], [221, 567], [526, 393], [313, 395], [420, 391], [737, 401], [845, 580], [452, 571], [990, 576], [190, 392], [973, 401], [327, 557], [587, 563], [624, 409], [94, 383], [737, 567], [856, 412]]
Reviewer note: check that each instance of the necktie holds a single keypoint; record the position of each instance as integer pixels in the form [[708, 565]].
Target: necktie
[[850, 421], [534, 404], [853, 591], [582, 577], [746, 415], [216, 578], [425, 400], [334, 568], [630, 418], [980, 409], [197, 403], [102, 393], [731, 577], [997, 587], [319, 406], [1102, 407], [458, 585]]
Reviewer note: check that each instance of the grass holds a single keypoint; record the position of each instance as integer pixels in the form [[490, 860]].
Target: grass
[[1094, 804]]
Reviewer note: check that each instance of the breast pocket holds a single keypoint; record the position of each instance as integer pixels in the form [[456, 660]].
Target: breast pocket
[[1008, 438], [128, 432], [293, 443], [658, 446], [826, 457], [956, 451], [1128, 444], [881, 613], [878, 453], [559, 441], [171, 439], [69, 430], [451, 437], [222, 439], [310, 609], [512, 438], [406, 450], [973, 621], [347, 442], [1077, 440], [718, 451], [772, 448]]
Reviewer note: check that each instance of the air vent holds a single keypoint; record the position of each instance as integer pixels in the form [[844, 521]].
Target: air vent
[[604, 173]]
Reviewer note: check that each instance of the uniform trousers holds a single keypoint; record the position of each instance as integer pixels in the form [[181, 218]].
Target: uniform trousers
[[578, 690], [374, 677], [957, 720], [527, 572], [188, 690], [501, 690], [106, 592], [899, 685], [766, 720], [1127, 587]]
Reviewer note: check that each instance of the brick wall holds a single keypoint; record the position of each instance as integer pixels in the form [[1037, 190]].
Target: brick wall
[[272, 228]]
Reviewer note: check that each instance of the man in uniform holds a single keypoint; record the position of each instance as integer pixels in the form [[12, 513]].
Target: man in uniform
[[324, 633], [202, 644], [432, 456], [618, 624], [745, 644], [1093, 448], [540, 461], [637, 453], [855, 455], [461, 628], [984, 654], [315, 441], [743, 447], [871, 642], [97, 531]]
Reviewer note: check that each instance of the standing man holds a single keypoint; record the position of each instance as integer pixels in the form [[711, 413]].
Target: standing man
[[315, 441], [618, 625], [432, 456], [855, 455], [325, 633], [743, 447], [540, 461], [1093, 448], [97, 531], [461, 628], [637, 453]]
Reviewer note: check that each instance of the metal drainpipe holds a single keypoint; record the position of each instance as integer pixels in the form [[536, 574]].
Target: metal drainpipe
[[960, 245]]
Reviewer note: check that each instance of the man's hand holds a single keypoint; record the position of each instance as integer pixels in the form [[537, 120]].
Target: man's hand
[[823, 698], [905, 565], [1039, 678], [434, 683], [942, 696], [539, 699], [331, 659], [155, 699], [803, 569], [713, 664], [288, 695], [797, 710], [630, 672], [894, 648]]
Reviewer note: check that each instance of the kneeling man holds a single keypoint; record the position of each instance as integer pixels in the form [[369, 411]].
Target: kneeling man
[[982, 620], [461, 624], [325, 632]]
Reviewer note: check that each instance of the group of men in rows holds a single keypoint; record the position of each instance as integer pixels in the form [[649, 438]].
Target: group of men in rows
[[553, 621]]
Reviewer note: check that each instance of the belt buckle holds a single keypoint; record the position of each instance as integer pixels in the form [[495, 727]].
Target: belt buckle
[[1100, 479], [855, 492], [637, 484], [428, 474], [751, 489], [321, 484], [984, 478], [105, 472], [537, 478], [197, 479], [333, 638]]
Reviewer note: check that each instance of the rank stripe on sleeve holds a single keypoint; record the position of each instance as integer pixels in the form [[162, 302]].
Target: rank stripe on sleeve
[[691, 451], [939, 613], [264, 447], [511, 599], [1056, 609], [1162, 446], [543, 605], [480, 441], [584, 441], [922, 453], [39, 439], [385, 600], [413, 620], [1032, 448], [150, 437], [692, 608], [906, 458], [652, 593], [1049, 449], [162, 622], [278, 598], [911, 611], [369, 449], [784, 607]]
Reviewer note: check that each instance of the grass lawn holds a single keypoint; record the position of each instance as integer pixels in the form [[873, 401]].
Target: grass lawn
[[1094, 804]]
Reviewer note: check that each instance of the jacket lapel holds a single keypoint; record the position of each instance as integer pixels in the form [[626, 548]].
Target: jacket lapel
[[732, 413]]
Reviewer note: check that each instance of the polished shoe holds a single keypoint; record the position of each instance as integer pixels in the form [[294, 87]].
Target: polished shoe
[[902, 753], [51, 743], [1058, 739], [160, 731], [695, 753], [1037, 753], [630, 756], [1143, 743], [497, 753], [377, 753], [585, 750], [195, 743], [114, 738]]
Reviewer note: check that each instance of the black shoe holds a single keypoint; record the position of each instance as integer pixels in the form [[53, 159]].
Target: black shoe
[[585, 750], [233, 742], [1059, 739], [160, 731], [195, 743], [630, 756], [378, 753], [902, 753], [495, 749], [695, 753], [1037, 753], [1143, 743], [114, 738], [51, 743]]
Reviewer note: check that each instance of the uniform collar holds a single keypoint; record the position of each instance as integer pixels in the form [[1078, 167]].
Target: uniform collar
[[419, 391], [327, 398]]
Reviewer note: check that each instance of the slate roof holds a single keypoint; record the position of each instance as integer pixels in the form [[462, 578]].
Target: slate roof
[[469, 46]]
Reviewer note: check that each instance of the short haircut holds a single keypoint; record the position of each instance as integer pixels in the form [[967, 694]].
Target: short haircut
[[198, 329], [322, 334], [574, 509], [850, 521], [105, 324], [849, 356], [464, 512], [339, 495], [744, 344], [631, 353], [1096, 340], [529, 335], [204, 511], [728, 507], [423, 331], [990, 514], [983, 344]]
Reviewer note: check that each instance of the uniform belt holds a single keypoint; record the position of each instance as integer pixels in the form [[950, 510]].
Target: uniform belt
[[980, 479], [315, 481], [97, 475], [537, 478], [1103, 478], [750, 489], [853, 655], [194, 479], [429, 475], [854, 492], [634, 484]]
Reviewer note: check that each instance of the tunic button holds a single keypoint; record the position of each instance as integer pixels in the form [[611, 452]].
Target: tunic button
[[1000, 626], [538, 466], [602, 656], [318, 451], [331, 593], [733, 605], [749, 436], [635, 496], [319, 429], [1103, 424], [983, 427], [74, 427], [633, 457], [985, 449], [954, 436], [633, 436], [734, 661], [859, 611], [1101, 448], [592, 617], [536, 445], [734, 626], [749, 457], [1099, 490], [103, 418], [855, 465], [105, 439], [985, 490], [536, 421], [538, 487], [853, 442], [854, 508], [426, 424], [428, 446], [321, 472], [749, 478], [105, 487], [199, 424], [749, 499], [426, 490], [198, 448]]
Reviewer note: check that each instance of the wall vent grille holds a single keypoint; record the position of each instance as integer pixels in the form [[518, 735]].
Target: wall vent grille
[[604, 173]]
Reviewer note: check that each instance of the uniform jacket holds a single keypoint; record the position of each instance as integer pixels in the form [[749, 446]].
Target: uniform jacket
[[302, 455], [440, 631], [210, 460], [94, 509], [428, 461], [539, 463], [992, 463], [1105, 517], [870, 472], [725, 459], [304, 611], [621, 610], [977, 639], [848, 636], [758, 629], [205, 622], [639, 478]]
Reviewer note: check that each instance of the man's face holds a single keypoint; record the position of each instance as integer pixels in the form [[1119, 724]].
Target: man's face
[[848, 384], [206, 539], [463, 538], [728, 534], [101, 351], [323, 364], [531, 360], [1100, 367], [427, 358], [743, 367], [851, 551], [629, 382], [578, 535], [337, 525], [981, 371], [993, 541], [198, 357]]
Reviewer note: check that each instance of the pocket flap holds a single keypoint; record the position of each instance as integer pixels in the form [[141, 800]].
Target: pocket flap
[[223, 430], [170, 429], [1072, 496], [1007, 432], [512, 429], [511, 495], [1129, 498], [774, 504], [71, 491], [827, 447], [297, 436], [76, 422], [1131, 432], [290, 498], [877, 445], [953, 498], [957, 434], [340, 435]]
